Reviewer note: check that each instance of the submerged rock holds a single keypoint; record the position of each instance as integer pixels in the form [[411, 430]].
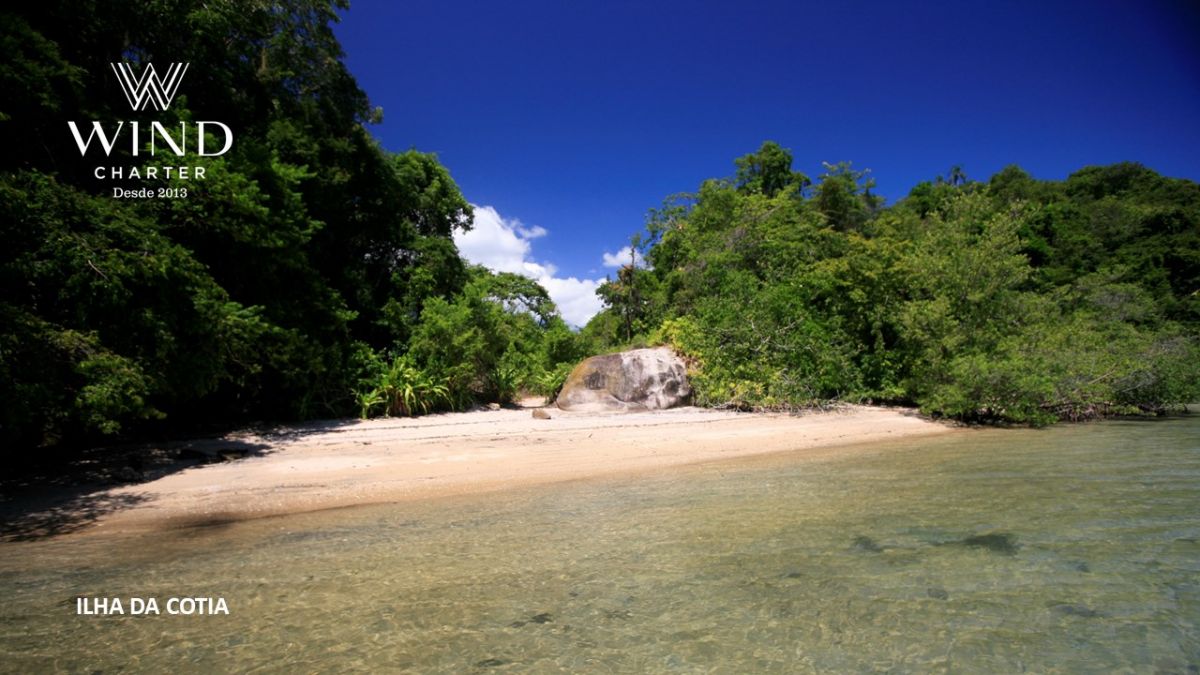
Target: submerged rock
[[1075, 610], [996, 542], [544, 617], [639, 379], [864, 543]]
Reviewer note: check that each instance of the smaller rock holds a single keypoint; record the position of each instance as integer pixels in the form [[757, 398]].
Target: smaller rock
[[937, 593], [864, 543], [996, 542], [1075, 610], [540, 414]]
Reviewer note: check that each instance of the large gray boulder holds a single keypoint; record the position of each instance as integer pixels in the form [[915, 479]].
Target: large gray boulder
[[639, 379]]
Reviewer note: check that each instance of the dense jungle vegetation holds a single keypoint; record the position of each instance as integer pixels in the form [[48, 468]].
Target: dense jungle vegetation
[[313, 274], [1011, 300]]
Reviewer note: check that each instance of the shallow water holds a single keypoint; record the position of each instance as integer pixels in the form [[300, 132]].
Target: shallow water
[[1072, 549]]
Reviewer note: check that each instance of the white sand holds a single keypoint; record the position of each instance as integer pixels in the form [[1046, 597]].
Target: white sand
[[365, 462]]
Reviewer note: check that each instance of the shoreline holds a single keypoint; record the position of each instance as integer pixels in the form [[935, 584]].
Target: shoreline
[[345, 463]]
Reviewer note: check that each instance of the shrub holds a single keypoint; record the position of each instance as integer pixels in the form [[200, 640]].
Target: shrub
[[403, 389], [549, 383]]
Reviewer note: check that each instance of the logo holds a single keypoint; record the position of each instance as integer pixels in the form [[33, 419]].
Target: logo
[[149, 90], [125, 142]]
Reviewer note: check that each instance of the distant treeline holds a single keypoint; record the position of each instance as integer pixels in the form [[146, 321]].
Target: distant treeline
[[1011, 300], [313, 274]]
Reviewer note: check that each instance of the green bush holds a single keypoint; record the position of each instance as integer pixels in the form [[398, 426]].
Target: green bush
[[403, 389], [503, 383], [549, 383]]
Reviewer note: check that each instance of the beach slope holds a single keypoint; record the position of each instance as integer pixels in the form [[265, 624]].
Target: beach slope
[[337, 464]]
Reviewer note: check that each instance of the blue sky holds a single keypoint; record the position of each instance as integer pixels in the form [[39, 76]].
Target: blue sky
[[569, 119]]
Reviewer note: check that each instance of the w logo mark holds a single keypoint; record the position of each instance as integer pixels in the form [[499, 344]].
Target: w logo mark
[[149, 90]]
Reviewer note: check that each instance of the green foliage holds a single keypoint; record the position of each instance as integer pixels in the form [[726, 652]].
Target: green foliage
[[758, 348], [1075, 368], [768, 171], [304, 248], [504, 382], [402, 388], [369, 401], [549, 383], [628, 295], [1014, 300], [494, 339], [844, 197], [125, 323]]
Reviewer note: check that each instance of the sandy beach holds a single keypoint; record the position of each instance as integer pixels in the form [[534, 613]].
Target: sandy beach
[[351, 462], [297, 469]]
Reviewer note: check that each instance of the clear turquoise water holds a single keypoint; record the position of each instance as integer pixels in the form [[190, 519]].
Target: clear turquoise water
[[1072, 549]]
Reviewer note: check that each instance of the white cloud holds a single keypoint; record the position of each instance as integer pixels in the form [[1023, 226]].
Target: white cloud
[[528, 232], [576, 298], [622, 257], [504, 246], [495, 243]]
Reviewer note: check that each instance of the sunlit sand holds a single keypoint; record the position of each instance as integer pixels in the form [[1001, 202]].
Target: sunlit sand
[[339, 464]]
